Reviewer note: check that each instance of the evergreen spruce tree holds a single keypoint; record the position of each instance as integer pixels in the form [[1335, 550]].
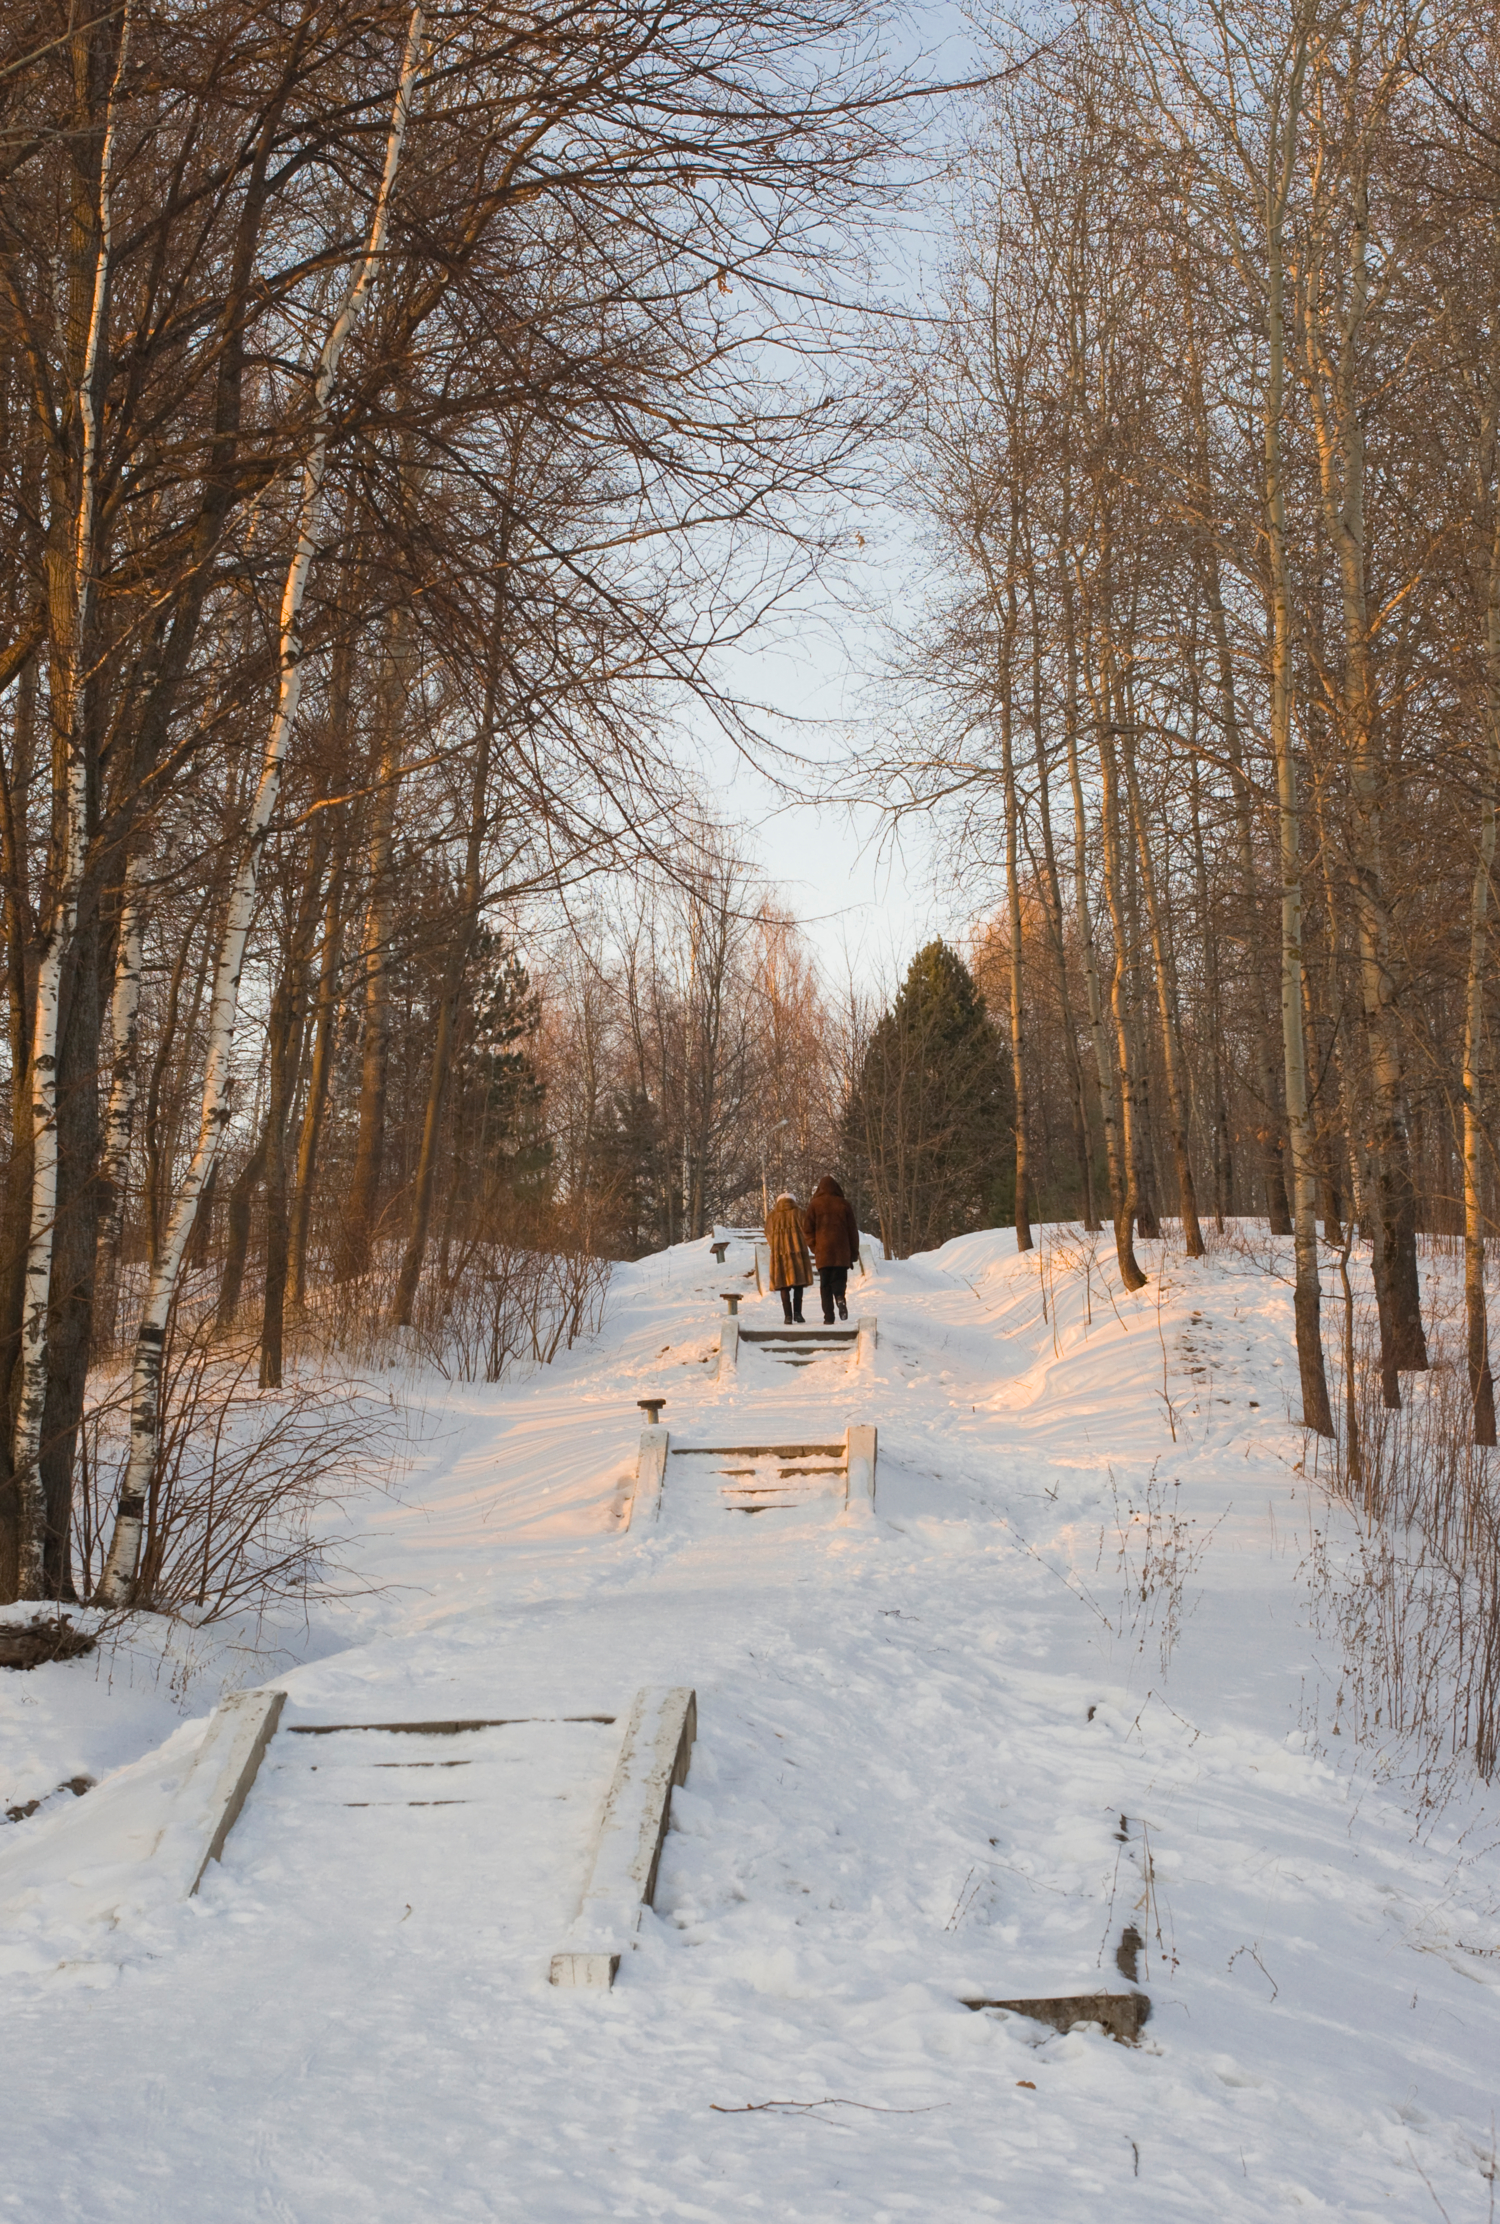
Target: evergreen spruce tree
[[927, 1129]]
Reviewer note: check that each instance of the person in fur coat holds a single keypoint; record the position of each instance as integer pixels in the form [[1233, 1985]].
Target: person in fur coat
[[831, 1228], [791, 1268]]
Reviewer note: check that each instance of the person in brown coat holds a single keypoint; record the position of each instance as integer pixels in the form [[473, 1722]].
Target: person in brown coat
[[791, 1268], [831, 1228]]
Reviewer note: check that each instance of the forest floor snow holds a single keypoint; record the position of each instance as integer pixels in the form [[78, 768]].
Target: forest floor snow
[[1065, 1679]]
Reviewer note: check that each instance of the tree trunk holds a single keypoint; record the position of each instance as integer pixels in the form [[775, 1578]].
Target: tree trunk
[[1167, 1006], [15, 1201], [72, 597], [1122, 1202], [1269, 1133], [362, 1209], [119, 1119], [285, 1040], [117, 1583], [1008, 615], [1481, 1380], [1316, 1414], [317, 1092], [459, 947], [1223, 1161], [1126, 1185], [1337, 415], [237, 1218]]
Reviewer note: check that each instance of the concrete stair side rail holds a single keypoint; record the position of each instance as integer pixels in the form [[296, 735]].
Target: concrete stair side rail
[[650, 1473], [859, 1464], [207, 1803], [869, 1337], [729, 1349], [654, 1756]]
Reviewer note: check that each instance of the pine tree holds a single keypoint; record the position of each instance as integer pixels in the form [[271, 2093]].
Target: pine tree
[[928, 1128]]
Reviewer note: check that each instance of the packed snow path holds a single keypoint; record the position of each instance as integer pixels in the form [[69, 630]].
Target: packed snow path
[[1059, 1686]]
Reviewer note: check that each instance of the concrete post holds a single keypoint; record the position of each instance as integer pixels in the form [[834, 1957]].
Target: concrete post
[[207, 1803], [859, 1462], [657, 1748], [650, 1473]]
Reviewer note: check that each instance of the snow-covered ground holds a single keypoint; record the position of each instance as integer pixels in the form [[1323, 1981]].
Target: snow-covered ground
[[1063, 1681]]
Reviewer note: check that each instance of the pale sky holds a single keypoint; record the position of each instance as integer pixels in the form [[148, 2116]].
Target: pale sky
[[866, 904]]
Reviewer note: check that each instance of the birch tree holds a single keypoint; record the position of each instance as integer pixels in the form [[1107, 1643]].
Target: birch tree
[[118, 1580], [73, 616]]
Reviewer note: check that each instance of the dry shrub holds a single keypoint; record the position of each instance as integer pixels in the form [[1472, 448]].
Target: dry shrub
[[1417, 1609], [519, 1285], [1158, 1551], [246, 1482], [506, 1301]]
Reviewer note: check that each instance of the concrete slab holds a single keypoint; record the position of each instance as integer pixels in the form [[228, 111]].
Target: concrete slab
[[859, 1463], [650, 1472], [654, 1756], [207, 1803]]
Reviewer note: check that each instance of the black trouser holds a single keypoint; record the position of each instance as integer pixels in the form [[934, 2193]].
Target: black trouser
[[833, 1282], [791, 1303]]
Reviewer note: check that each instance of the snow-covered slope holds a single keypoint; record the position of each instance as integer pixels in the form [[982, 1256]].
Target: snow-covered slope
[[1061, 1683]]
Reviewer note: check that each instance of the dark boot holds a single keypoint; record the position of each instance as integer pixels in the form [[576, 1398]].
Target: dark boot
[[787, 1314], [843, 1310], [797, 1306]]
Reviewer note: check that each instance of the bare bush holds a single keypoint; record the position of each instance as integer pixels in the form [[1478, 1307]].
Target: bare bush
[[246, 1481], [504, 1301], [1158, 1552], [1417, 1609]]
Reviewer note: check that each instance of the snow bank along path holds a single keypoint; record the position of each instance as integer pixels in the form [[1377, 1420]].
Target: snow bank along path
[[1061, 1682]]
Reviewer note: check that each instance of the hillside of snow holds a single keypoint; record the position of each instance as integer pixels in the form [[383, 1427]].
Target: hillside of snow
[[1064, 1682]]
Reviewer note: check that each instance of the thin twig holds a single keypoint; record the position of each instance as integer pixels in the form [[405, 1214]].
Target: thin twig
[[873, 2108]]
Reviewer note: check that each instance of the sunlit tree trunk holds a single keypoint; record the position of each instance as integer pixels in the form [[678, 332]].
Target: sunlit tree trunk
[[1128, 1202], [1167, 1007], [460, 943], [119, 1118], [1005, 605], [393, 700], [315, 1108], [1281, 159], [1117, 1156], [72, 599], [1331, 363], [117, 1582], [1481, 1380]]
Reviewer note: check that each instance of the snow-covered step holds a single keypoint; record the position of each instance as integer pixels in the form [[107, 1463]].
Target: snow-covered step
[[750, 1478], [798, 1346], [802, 1347], [485, 1829]]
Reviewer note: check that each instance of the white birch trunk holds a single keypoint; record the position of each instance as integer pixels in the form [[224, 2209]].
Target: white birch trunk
[[119, 1119], [117, 1583], [32, 1399]]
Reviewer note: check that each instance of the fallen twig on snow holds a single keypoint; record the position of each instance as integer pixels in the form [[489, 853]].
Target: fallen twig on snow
[[872, 2107]]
